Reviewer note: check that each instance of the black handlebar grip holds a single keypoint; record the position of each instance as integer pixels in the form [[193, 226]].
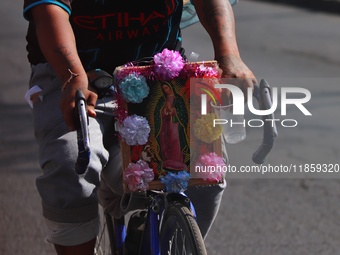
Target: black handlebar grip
[[261, 153]]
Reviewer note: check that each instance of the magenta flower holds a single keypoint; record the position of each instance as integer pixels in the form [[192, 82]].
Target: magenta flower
[[168, 64]]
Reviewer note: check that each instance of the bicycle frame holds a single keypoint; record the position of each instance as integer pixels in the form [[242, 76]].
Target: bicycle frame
[[156, 205]]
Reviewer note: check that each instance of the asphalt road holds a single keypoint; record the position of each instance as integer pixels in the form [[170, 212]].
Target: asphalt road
[[260, 214]]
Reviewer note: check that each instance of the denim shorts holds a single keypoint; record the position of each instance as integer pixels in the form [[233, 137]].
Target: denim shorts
[[69, 200]]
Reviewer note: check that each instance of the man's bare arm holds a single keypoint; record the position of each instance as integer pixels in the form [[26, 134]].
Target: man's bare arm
[[57, 42], [217, 17]]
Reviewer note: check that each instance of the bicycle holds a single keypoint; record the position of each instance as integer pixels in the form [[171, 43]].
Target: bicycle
[[170, 225], [172, 213]]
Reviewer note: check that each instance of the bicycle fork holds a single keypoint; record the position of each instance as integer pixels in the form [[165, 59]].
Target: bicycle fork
[[151, 235]]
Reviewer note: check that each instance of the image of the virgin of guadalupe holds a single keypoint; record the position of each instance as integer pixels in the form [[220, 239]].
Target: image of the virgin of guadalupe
[[171, 123]]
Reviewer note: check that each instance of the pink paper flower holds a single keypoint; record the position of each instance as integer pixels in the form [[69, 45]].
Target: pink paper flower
[[168, 64], [211, 167], [138, 175]]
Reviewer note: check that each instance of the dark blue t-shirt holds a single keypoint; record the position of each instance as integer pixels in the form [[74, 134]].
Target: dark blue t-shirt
[[110, 33]]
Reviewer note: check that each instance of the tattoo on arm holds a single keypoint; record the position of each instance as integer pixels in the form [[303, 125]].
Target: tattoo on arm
[[65, 55], [216, 18]]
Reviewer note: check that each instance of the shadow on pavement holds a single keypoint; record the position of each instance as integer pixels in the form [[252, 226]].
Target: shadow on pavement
[[329, 6], [18, 149]]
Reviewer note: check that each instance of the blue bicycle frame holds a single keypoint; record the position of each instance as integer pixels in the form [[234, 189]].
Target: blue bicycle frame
[[150, 244], [158, 204]]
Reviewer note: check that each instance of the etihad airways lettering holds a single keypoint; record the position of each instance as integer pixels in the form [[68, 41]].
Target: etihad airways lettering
[[115, 20], [130, 34]]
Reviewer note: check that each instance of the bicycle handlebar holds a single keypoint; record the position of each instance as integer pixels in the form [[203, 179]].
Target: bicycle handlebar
[[263, 95]]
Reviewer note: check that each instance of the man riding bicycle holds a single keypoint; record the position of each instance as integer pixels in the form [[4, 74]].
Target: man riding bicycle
[[67, 38]]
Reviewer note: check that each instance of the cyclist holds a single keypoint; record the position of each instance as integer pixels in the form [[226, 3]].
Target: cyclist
[[65, 39]]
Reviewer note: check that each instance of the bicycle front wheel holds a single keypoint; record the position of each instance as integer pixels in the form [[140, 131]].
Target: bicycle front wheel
[[180, 234]]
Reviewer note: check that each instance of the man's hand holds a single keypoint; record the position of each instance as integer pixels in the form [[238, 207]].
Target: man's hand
[[67, 103], [217, 18], [233, 67]]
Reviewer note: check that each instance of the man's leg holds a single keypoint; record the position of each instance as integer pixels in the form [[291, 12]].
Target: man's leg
[[69, 200], [84, 249], [206, 200]]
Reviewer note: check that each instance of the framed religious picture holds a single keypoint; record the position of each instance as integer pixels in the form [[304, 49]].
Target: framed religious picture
[[161, 128]]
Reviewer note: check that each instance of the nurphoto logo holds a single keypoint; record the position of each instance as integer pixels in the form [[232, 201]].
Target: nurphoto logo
[[238, 100]]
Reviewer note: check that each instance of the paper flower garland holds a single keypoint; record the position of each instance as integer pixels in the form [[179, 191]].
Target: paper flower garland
[[138, 175], [133, 81], [168, 64], [176, 182], [211, 161], [135, 130], [204, 129], [134, 88], [206, 71]]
